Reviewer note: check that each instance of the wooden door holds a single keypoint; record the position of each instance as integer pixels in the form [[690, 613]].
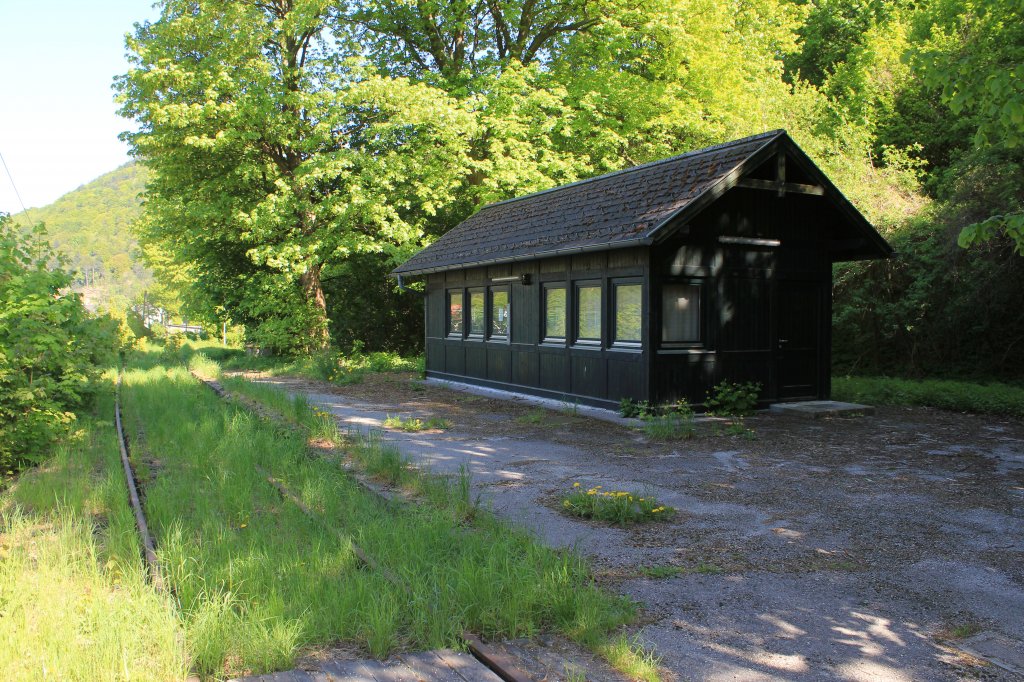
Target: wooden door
[[797, 339]]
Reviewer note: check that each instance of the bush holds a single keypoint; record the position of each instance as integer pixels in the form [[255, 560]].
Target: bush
[[730, 399], [50, 348]]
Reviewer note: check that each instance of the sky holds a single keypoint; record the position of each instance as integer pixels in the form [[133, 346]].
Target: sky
[[58, 120]]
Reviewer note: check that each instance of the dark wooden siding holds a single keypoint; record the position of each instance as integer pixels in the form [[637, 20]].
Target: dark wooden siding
[[591, 375], [745, 301]]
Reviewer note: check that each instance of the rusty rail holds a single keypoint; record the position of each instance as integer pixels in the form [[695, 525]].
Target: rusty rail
[[148, 548]]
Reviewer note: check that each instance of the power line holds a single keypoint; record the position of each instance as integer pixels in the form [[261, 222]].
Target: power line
[[11, 178]]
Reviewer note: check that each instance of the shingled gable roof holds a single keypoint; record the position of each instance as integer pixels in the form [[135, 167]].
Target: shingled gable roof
[[625, 208]]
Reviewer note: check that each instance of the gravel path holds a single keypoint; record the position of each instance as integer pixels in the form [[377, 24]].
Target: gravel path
[[850, 549]]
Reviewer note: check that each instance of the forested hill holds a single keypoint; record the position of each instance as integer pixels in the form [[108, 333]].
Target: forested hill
[[90, 225]]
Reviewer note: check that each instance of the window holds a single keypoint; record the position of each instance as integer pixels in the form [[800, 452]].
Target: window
[[477, 323], [588, 313], [680, 313], [500, 312], [455, 321], [628, 313], [554, 312]]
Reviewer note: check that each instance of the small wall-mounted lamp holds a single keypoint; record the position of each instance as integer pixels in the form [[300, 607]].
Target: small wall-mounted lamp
[[748, 241], [524, 279]]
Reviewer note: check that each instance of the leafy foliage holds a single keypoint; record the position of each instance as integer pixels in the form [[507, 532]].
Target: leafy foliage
[[49, 347], [732, 399], [973, 53], [615, 506]]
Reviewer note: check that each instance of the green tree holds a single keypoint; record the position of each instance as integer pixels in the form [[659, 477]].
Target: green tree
[[49, 347], [272, 153], [973, 53]]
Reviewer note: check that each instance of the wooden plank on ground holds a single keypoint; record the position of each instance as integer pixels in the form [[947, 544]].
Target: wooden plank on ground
[[338, 671], [428, 667], [503, 665], [388, 671], [466, 666]]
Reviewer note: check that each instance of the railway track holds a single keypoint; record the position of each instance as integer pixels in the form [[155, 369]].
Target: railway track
[[498, 662]]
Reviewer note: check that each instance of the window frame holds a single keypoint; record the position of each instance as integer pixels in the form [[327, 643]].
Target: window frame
[[449, 334], [578, 287], [700, 341], [545, 337], [489, 310], [614, 313], [470, 334]]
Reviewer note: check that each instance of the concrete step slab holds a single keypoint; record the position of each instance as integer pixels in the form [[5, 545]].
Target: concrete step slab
[[820, 409]]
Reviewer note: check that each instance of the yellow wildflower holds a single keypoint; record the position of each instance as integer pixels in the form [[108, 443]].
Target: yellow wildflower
[[576, 484]]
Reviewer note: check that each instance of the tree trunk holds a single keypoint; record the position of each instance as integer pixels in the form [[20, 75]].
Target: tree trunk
[[313, 290]]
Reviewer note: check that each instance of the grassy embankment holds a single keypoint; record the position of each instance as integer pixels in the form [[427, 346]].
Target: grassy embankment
[[258, 580], [961, 396], [255, 580], [73, 591]]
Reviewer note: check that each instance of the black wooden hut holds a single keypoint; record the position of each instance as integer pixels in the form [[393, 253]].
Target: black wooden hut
[[652, 283]]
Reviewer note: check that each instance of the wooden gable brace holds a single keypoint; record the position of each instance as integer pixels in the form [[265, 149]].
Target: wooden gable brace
[[779, 184]]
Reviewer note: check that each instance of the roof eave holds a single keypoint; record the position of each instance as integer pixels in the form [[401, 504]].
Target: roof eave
[[553, 253]]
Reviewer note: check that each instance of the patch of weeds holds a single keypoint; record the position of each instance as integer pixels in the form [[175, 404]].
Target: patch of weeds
[[631, 657], [661, 571], [381, 461], [535, 417], [669, 427], [201, 364], [738, 428], [632, 409], [415, 424], [172, 350], [614, 506], [731, 399], [964, 630], [674, 423], [571, 407], [325, 364]]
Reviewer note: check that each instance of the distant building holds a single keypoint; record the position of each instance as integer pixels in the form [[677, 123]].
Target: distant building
[[652, 283]]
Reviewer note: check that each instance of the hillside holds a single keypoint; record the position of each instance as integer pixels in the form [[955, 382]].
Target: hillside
[[90, 225]]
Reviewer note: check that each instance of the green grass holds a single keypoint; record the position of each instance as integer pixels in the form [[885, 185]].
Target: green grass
[[661, 571], [257, 579], [632, 658], [415, 424], [961, 396], [614, 506], [534, 417], [204, 366], [669, 427], [326, 365], [73, 591], [964, 630]]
